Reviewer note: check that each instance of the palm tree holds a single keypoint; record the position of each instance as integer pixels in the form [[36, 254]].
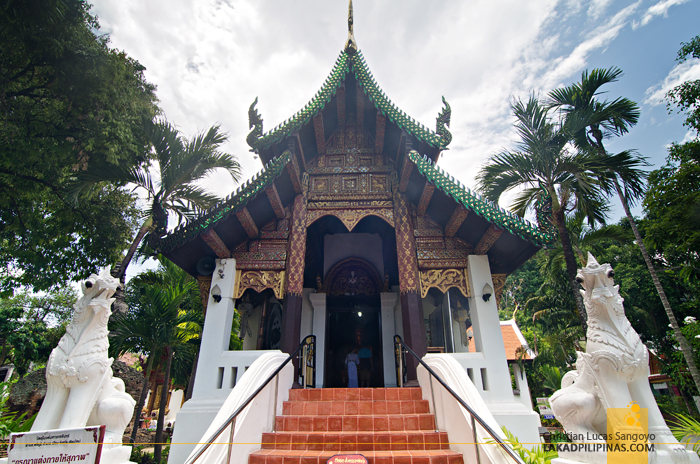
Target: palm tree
[[169, 178], [545, 164], [552, 378], [550, 309], [596, 121], [157, 326], [583, 239]]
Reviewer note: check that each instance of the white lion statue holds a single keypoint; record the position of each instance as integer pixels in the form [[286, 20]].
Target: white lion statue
[[612, 373], [80, 387]]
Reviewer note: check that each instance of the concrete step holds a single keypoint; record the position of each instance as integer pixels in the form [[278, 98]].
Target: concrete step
[[373, 457], [356, 441]]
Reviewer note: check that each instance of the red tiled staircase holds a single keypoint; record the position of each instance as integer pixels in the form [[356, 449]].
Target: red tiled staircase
[[386, 425]]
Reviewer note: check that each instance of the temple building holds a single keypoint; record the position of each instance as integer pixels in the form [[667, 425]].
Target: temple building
[[351, 232]]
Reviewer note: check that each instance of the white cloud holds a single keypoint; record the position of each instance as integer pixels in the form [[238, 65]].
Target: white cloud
[[689, 137], [211, 58], [690, 70], [597, 8], [658, 9], [599, 38]]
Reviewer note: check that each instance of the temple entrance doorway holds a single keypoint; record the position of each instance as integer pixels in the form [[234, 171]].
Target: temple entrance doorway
[[353, 326]]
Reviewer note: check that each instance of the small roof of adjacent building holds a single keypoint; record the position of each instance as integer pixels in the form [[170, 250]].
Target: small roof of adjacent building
[[514, 342]]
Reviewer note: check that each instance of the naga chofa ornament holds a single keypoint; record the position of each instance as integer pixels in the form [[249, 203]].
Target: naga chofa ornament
[[255, 123], [442, 123]]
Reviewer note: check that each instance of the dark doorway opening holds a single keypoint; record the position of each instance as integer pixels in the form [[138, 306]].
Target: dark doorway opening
[[353, 324]]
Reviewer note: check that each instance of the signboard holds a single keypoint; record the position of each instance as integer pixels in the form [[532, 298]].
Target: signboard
[[544, 408], [75, 446], [347, 459]]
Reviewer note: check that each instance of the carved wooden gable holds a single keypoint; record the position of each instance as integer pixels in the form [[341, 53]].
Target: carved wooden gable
[[434, 250], [268, 252]]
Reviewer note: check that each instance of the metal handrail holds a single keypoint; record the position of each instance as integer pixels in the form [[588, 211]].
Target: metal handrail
[[310, 340], [398, 342]]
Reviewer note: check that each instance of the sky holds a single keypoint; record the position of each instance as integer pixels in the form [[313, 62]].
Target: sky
[[211, 58]]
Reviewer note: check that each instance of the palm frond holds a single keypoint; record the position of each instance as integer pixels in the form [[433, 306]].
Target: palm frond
[[505, 171], [524, 200], [618, 116], [686, 429], [85, 183], [627, 165]]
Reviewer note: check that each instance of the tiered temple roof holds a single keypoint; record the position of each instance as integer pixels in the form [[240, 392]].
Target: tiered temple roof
[[292, 150], [344, 65]]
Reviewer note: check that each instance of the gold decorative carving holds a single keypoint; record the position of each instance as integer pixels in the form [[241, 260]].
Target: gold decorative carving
[[443, 280], [350, 204], [405, 246], [488, 239], [319, 184], [204, 287], [499, 282], [336, 161], [259, 281], [350, 217], [296, 247], [353, 276], [349, 196], [349, 183], [379, 183], [356, 161]]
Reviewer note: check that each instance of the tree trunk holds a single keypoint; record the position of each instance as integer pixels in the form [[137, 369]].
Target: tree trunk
[[120, 272], [142, 398], [571, 266], [685, 346], [158, 445], [4, 352]]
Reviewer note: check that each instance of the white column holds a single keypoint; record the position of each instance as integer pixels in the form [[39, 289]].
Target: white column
[[488, 365], [307, 315], [214, 378], [217, 331], [487, 331], [388, 301], [318, 301]]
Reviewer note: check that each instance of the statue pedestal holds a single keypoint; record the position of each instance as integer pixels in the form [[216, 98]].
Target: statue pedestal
[[581, 458]]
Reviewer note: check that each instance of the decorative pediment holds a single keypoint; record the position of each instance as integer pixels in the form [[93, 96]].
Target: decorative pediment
[[353, 276], [443, 280], [258, 281]]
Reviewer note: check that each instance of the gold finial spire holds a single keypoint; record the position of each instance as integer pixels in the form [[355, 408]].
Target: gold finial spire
[[350, 45]]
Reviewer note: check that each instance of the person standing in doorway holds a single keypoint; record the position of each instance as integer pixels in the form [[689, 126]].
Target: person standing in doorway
[[351, 363], [366, 365]]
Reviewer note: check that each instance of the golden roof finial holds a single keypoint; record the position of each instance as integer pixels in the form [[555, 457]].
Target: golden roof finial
[[350, 45]]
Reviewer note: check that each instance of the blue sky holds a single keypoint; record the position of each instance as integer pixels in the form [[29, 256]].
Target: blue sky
[[211, 58]]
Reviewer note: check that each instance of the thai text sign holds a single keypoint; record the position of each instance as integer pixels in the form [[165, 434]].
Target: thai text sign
[[75, 446], [347, 459], [545, 408]]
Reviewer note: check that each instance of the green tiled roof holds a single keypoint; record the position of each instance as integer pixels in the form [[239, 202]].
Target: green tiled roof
[[243, 194], [474, 202], [391, 111], [329, 88]]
